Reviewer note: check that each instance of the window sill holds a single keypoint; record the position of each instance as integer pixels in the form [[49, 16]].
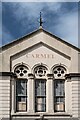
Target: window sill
[[56, 114]]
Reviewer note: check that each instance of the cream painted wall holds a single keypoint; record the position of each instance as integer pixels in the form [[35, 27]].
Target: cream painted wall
[[35, 39], [42, 48], [43, 55]]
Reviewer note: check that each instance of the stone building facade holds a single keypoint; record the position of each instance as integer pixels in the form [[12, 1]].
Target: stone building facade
[[39, 78]]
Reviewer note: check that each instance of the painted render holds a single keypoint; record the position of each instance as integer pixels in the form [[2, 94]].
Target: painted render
[[40, 48]]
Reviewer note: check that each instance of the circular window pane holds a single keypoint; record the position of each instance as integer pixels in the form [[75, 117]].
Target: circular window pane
[[40, 71], [21, 68], [21, 74], [55, 72], [59, 69], [17, 71], [62, 71], [40, 75], [25, 71], [58, 75]]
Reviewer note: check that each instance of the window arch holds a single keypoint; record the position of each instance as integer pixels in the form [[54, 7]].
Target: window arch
[[59, 88], [21, 72], [59, 72], [40, 70]]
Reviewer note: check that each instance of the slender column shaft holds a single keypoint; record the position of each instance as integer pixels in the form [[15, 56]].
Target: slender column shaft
[[13, 99], [50, 94], [31, 93]]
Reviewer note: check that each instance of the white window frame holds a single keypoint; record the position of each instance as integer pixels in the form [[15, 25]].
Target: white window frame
[[16, 96], [59, 106], [40, 96]]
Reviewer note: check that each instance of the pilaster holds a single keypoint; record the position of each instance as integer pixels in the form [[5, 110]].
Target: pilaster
[[31, 93], [50, 94], [13, 98]]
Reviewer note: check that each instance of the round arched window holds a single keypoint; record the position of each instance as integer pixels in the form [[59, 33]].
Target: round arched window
[[59, 72], [40, 71], [21, 71]]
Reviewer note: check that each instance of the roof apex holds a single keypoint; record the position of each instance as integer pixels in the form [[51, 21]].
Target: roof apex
[[35, 32]]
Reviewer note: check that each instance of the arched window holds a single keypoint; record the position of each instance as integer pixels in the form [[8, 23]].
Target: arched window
[[21, 88], [59, 72], [40, 71], [40, 88], [59, 88]]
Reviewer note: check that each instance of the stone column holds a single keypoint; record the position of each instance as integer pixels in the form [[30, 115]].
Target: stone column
[[13, 96], [68, 96], [50, 94], [31, 93]]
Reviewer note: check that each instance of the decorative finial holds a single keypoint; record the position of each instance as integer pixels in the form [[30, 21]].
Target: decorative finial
[[41, 22]]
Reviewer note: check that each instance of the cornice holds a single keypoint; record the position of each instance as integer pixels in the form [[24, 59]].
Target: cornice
[[8, 74]]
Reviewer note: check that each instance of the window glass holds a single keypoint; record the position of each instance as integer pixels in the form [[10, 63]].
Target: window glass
[[40, 94], [40, 88], [21, 87], [59, 88], [59, 95], [40, 104], [21, 95]]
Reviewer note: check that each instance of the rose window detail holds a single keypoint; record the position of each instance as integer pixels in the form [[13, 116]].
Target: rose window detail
[[40, 71], [21, 71], [59, 72]]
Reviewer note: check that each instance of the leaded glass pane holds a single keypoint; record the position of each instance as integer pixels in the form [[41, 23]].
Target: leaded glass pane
[[59, 88], [38, 85], [40, 104], [43, 104], [43, 92], [61, 99], [21, 95], [21, 98], [59, 95], [40, 94], [40, 88], [21, 88], [21, 106]]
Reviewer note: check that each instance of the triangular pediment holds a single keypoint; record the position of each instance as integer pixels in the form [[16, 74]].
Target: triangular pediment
[[41, 47], [40, 53]]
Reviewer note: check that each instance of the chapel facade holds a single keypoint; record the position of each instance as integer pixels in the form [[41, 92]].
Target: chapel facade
[[39, 78]]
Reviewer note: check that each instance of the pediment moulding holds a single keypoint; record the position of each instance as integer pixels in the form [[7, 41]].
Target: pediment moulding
[[26, 51], [34, 33]]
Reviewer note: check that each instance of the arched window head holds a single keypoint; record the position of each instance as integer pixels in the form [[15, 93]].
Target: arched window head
[[59, 72], [40, 71], [21, 71]]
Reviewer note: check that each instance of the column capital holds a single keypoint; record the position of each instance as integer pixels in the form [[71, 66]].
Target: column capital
[[50, 76], [31, 76]]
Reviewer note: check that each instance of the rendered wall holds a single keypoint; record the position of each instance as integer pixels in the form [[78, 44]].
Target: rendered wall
[[4, 97]]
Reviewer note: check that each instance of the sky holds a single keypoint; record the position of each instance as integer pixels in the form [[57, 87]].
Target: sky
[[22, 18]]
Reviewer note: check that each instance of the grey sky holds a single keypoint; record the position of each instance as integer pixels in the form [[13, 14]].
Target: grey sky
[[21, 18]]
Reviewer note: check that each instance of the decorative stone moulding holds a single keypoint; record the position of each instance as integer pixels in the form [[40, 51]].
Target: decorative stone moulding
[[59, 72], [40, 71], [21, 71]]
